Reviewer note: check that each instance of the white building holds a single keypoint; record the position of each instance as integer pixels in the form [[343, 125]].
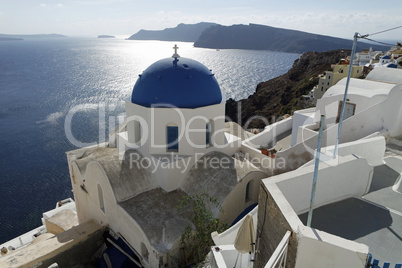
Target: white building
[[364, 57], [386, 61]]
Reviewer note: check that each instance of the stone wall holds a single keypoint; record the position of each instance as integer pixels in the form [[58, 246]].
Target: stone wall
[[271, 228]]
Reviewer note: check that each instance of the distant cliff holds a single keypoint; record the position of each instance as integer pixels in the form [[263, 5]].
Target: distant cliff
[[10, 39], [26, 36], [261, 37], [283, 94], [182, 32]]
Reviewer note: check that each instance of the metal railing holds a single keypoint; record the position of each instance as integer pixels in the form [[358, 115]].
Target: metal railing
[[375, 263], [278, 258]]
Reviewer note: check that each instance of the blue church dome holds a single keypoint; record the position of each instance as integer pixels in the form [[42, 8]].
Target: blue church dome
[[391, 65], [181, 82]]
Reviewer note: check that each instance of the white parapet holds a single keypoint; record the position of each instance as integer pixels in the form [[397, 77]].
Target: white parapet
[[395, 162], [348, 177], [228, 237]]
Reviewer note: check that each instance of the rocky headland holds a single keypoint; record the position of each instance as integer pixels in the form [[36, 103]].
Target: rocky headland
[[263, 37], [182, 32], [106, 36], [252, 36]]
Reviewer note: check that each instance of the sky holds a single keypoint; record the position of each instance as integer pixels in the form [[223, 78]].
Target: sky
[[341, 18]]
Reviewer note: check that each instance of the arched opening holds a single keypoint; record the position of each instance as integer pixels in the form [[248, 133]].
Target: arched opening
[[100, 197], [172, 138], [209, 131], [144, 251], [207, 134], [248, 194], [137, 131]]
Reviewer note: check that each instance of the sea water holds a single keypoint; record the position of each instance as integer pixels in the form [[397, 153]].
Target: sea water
[[43, 80]]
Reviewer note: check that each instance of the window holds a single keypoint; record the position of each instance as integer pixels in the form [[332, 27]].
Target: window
[[322, 88], [172, 138], [137, 131], [209, 131], [357, 71], [144, 251], [248, 192], [100, 197], [207, 134], [212, 131]]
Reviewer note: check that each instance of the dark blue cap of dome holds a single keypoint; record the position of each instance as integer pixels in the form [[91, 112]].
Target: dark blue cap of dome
[[180, 82]]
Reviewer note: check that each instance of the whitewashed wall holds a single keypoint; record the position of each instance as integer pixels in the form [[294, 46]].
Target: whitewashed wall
[[350, 177], [291, 192], [269, 134], [300, 118], [88, 207], [317, 249]]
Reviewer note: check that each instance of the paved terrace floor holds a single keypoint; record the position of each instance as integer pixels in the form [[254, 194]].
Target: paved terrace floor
[[374, 220]]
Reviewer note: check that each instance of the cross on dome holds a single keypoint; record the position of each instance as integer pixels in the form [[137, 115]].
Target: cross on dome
[[175, 55]]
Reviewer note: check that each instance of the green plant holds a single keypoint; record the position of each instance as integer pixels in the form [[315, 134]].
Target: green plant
[[196, 239]]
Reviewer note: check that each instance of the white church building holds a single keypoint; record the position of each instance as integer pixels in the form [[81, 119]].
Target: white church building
[[174, 142]]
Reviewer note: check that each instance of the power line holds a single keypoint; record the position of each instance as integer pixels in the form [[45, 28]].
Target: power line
[[382, 43], [367, 35], [385, 30]]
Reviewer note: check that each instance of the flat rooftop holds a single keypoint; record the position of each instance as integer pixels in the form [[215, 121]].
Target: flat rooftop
[[374, 220], [155, 212]]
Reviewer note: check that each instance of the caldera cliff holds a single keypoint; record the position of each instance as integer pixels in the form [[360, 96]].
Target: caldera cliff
[[282, 95]]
